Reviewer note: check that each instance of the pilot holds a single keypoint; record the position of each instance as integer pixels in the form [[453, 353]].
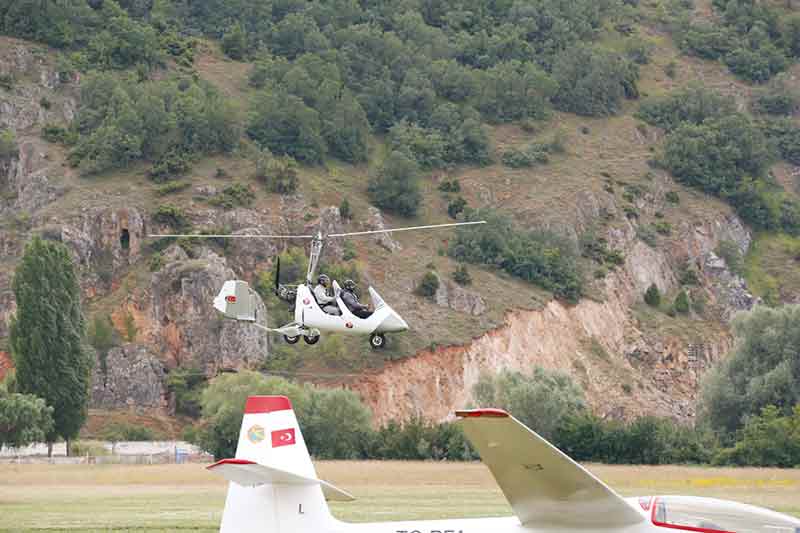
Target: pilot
[[327, 303], [350, 299]]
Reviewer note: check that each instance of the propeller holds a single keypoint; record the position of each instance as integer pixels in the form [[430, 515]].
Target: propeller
[[332, 235]]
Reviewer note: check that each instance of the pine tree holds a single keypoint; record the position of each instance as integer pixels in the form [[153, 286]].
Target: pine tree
[[48, 339], [652, 297]]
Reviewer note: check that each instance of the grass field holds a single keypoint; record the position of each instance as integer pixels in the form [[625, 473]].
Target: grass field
[[186, 497]]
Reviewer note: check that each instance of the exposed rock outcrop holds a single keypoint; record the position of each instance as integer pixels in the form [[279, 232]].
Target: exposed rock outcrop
[[375, 222], [452, 296], [177, 319], [132, 377], [624, 371]]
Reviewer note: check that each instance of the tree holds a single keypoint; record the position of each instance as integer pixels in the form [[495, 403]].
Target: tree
[[8, 144], [234, 42], [769, 439], [541, 400], [48, 338], [428, 285], [335, 423], [395, 186], [764, 369], [681, 304], [593, 83], [285, 125], [652, 297], [24, 419]]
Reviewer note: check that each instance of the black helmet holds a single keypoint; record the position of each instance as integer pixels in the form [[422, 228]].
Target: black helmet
[[349, 284], [323, 278]]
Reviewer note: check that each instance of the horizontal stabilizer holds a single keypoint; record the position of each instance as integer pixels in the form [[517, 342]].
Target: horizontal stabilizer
[[250, 474]]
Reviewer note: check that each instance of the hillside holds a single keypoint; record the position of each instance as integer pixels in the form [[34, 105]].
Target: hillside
[[544, 128]]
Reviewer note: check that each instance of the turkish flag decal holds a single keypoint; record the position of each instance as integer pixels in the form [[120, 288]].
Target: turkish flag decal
[[283, 437]]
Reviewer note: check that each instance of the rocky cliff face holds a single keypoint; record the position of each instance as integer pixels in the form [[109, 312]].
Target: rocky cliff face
[[113, 388], [625, 370]]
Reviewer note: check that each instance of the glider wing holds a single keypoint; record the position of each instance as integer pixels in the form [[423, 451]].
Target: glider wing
[[543, 485]]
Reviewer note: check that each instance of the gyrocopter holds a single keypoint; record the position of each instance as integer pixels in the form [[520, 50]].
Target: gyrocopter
[[238, 301]]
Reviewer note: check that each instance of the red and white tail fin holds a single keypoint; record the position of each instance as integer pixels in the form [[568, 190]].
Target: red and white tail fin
[[274, 487]]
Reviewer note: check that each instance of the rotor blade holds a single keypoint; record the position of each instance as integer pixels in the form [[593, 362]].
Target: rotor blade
[[395, 230], [233, 236]]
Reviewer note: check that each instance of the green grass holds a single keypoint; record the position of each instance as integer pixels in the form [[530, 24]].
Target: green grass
[[188, 498], [772, 267]]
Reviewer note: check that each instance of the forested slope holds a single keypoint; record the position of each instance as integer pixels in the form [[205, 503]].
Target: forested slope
[[614, 146]]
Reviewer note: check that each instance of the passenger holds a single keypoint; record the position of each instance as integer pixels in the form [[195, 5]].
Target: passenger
[[350, 299], [326, 302]]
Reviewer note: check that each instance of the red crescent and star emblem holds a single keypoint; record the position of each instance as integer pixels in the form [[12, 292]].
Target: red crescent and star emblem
[[283, 437], [306, 301], [349, 325], [231, 299]]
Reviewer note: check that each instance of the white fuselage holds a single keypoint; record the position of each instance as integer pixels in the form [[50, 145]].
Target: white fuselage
[[308, 313]]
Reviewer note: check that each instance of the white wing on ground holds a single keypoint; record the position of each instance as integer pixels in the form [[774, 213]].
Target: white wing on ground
[[544, 486]]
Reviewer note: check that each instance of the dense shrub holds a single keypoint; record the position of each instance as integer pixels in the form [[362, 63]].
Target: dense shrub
[[428, 285], [456, 207], [715, 155], [540, 400], [236, 195], [285, 125], [693, 105], [166, 122], [593, 83], [769, 439], [652, 296], [461, 275], [395, 187], [278, 174], [538, 257], [8, 144], [171, 215], [534, 153], [681, 304], [778, 98], [764, 369]]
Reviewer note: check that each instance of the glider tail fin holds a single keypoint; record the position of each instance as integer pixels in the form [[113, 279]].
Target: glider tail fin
[[274, 488]]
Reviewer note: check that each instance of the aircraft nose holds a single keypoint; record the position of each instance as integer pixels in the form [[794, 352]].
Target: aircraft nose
[[393, 323]]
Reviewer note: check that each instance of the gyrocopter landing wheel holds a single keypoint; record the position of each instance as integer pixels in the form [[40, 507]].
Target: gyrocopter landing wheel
[[291, 340], [311, 339], [377, 341]]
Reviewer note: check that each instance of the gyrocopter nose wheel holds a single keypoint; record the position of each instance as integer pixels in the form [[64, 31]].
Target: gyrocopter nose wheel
[[377, 341], [291, 340]]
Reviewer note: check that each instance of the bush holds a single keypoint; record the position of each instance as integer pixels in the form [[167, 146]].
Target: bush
[[285, 125], [461, 275], [55, 133], [768, 440], [681, 304], [652, 296], [593, 83], [693, 105], [395, 186], [756, 64], [456, 207], [539, 257], [639, 50], [172, 187], [186, 386], [278, 174], [8, 144], [730, 252], [173, 163], [171, 215], [527, 157], [236, 195], [234, 42], [428, 285], [344, 210], [450, 186], [779, 98], [540, 400]]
